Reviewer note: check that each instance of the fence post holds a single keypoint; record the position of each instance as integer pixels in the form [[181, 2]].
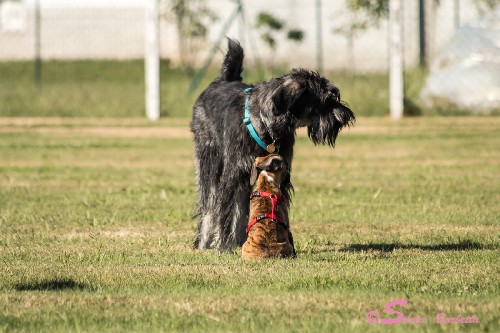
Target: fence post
[[422, 34], [319, 37], [456, 14], [152, 60], [38, 53], [396, 83]]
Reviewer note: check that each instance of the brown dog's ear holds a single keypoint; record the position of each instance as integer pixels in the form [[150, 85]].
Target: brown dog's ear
[[258, 165], [254, 173]]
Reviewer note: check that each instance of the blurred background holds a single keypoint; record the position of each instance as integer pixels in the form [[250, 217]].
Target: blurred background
[[85, 58]]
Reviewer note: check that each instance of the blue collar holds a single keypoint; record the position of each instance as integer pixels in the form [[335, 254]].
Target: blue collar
[[272, 147]]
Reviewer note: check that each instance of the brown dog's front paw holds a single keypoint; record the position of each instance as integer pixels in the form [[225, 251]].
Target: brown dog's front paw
[[277, 250], [251, 251]]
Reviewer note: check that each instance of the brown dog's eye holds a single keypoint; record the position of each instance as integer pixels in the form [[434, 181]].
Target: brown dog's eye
[[277, 165]]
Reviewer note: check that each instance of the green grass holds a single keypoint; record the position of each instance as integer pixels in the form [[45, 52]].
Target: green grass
[[87, 89], [96, 231], [116, 89]]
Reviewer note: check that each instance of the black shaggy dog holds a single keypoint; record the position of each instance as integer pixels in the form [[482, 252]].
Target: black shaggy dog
[[225, 149]]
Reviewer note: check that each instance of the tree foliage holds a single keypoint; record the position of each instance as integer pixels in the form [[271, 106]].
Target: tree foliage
[[484, 6], [296, 35], [374, 9], [270, 26], [192, 19], [267, 20]]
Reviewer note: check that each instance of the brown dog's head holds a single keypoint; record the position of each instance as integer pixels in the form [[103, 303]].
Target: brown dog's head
[[274, 165]]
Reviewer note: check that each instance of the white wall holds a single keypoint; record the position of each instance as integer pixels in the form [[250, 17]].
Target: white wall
[[82, 29]]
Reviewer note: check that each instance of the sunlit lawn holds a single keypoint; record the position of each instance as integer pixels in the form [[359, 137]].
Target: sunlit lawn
[[96, 231]]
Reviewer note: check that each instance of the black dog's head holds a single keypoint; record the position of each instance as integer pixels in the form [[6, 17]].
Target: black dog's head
[[304, 98]]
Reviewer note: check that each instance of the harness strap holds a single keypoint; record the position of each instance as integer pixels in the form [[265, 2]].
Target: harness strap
[[273, 216], [276, 197]]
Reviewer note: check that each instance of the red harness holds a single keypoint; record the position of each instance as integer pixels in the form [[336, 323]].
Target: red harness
[[274, 201]]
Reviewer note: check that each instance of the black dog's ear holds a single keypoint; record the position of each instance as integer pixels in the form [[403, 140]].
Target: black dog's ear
[[286, 95]]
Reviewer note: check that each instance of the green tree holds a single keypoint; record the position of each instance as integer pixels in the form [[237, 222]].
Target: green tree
[[373, 9], [192, 18], [484, 6], [270, 27], [360, 15]]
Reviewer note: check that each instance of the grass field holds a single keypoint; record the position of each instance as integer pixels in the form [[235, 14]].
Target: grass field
[[96, 234]]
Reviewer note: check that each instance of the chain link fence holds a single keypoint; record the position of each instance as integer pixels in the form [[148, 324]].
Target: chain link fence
[[85, 58]]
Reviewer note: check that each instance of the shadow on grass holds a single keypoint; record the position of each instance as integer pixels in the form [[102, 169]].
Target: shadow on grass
[[390, 247], [52, 285]]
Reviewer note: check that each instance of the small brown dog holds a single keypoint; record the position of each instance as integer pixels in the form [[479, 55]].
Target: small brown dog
[[268, 229]]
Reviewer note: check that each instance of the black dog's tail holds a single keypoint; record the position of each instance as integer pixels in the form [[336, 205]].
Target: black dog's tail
[[233, 62]]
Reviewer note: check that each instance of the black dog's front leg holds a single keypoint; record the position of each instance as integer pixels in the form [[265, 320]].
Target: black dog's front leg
[[290, 238], [234, 208]]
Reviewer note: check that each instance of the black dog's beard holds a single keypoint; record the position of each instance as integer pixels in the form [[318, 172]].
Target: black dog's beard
[[325, 128]]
